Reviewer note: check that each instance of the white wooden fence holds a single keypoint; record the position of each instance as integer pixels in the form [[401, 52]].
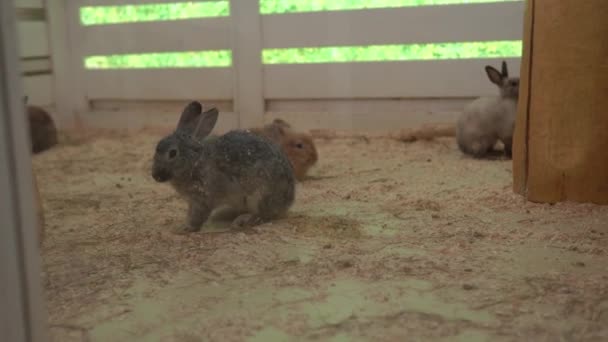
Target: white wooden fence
[[340, 95], [34, 51]]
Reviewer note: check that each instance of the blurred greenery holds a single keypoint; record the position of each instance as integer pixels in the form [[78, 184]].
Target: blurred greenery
[[190, 59], [100, 15], [393, 52], [291, 6]]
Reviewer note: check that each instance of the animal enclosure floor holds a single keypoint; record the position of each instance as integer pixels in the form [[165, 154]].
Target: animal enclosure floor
[[387, 241]]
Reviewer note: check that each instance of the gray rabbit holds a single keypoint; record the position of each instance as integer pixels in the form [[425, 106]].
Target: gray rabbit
[[239, 170], [489, 119]]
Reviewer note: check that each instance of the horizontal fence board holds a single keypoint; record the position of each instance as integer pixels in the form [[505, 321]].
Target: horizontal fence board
[[370, 106], [412, 79], [160, 84], [366, 115], [358, 122], [36, 65], [161, 122], [361, 122], [166, 106], [160, 36], [132, 2], [33, 38], [30, 3], [424, 24], [39, 89], [30, 14]]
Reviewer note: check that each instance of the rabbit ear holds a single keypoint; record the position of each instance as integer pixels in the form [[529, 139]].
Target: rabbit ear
[[494, 75], [505, 71], [281, 130], [278, 127], [190, 116], [281, 122], [206, 123]]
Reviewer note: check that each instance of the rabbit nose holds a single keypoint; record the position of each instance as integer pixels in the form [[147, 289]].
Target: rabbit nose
[[161, 176]]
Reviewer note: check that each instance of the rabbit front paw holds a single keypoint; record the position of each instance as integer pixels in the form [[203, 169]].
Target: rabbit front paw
[[185, 229], [245, 221]]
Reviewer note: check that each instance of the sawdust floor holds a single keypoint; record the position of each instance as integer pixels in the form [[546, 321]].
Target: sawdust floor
[[387, 242]]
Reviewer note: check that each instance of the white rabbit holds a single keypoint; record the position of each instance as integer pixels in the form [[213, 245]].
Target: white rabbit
[[489, 119]]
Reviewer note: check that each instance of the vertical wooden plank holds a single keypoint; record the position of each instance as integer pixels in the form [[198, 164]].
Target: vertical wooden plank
[[22, 314], [247, 62], [33, 41], [520, 136], [566, 117], [67, 60]]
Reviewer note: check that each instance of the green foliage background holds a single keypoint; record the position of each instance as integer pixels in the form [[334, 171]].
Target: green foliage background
[[174, 11]]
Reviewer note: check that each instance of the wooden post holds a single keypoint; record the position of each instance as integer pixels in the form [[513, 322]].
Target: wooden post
[[67, 60], [247, 62], [22, 314], [561, 132]]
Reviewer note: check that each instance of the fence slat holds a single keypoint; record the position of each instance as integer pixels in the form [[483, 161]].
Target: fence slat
[[176, 35], [33, 40], [36, 65], [160, 84], [424, 79], [30, 14], [425, 24], [29, 3], [66, 58], [39, 89], [247, 62]]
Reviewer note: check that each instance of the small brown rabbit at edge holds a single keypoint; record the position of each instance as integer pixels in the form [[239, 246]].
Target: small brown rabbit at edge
[[239, 170], [489, 119], [299, 147], [43, 133]]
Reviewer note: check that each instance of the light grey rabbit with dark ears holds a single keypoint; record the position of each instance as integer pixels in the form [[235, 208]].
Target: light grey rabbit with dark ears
[[239, 170], [489, 119]]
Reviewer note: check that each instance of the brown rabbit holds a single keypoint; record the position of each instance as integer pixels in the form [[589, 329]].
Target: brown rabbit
[[43, 133], [299, 147]]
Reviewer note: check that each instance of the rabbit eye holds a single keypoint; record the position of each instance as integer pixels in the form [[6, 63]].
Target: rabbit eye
[[299, 145], [172, 154]]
